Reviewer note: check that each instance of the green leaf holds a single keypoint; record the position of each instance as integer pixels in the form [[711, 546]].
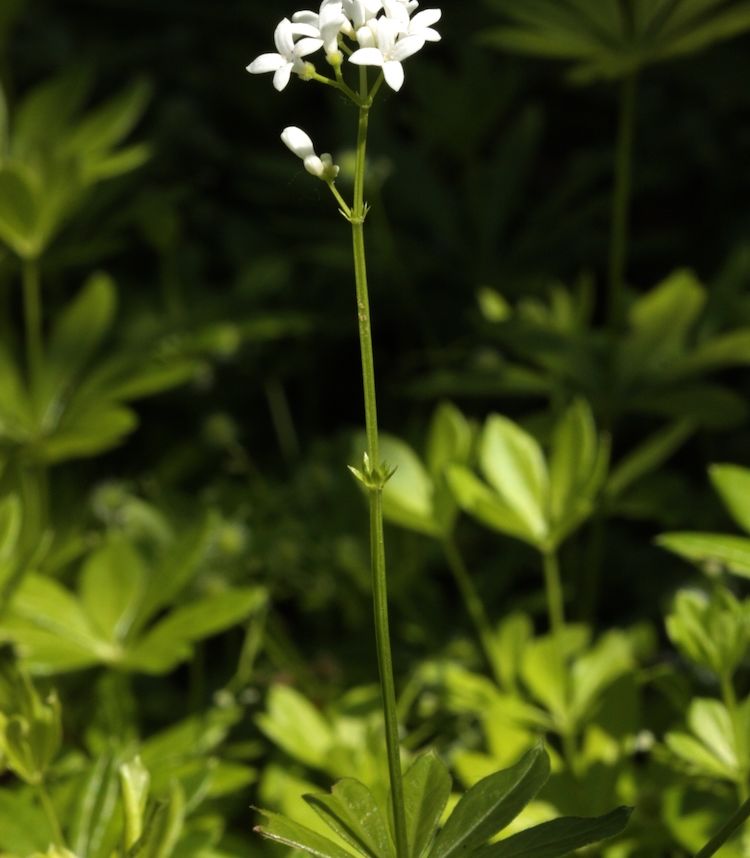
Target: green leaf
[[558, 837], [648, 456], [543, 674], [711, 550], [134, 786], [283, 830], [19, 213], [711, 749], [163, 827], [48, 606], [408, 494], [733, 484], [352, 812], [108, 125], [427, 788], [450, 439], [480, 501], [46, 112], [492, 804], [78, 332], [169, 641], [572, 459], [512, 462], [296, 726], [24, 828], [10, 530], [95, 807], [176, 568], [111, 586], [87, 434], [598, 668]]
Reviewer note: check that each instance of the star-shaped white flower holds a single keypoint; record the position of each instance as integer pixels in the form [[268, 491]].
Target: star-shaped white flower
[[290, 53], [322, 167], [327, 23], [421, 25], [389, 51]]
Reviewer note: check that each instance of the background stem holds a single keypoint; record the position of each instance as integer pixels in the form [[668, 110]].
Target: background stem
[[51, 814], [473, 603], [32, 308], [553, 588], [621, 201], [726, 831]]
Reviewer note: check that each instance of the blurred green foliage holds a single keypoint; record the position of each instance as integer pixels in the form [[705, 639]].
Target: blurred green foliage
[[184, 580]]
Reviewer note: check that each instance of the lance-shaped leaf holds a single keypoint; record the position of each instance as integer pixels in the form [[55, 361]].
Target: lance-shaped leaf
[[351, 811], [290, 833], [733, 484], [558, 837], [491, 804], [711, 550], [427, 788]]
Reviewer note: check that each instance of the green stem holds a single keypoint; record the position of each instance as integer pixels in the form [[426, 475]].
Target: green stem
[[726, 831], [32, 306], [553, 588], [621, 201], [377, 542], [474, 606], [730, 701], [51, 814]]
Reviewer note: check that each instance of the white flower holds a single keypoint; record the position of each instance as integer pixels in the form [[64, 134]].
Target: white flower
[[421, 25], [390, 51], [358, 14], [300, 143], [327, 23], [289, 56]]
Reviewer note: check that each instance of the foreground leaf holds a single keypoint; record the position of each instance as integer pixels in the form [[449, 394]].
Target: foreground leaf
[[559, 837], [352, 812], [427, 788], [283, 830], [491, 804]]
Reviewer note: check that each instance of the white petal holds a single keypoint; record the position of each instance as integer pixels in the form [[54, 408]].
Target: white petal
[[305, 30], [367, 57], [425, 19], [298, 141], [284, 38], [281, 78], [393, 72], [406, 47], [266, 63], [430, 35], [307, 46], [386, 31], [306, 17], [314, 166]]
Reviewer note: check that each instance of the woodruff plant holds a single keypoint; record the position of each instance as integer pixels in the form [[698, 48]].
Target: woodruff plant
[[371, 33]]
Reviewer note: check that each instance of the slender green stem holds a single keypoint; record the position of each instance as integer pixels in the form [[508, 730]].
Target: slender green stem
[[553, 588], [726, 831], [621, 200], [32, 305], [51, 814], [340, 200], [377, 542], [474, 605], [730, 701]]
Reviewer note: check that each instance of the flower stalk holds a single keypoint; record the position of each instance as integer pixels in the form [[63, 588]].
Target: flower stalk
[[375, 486]]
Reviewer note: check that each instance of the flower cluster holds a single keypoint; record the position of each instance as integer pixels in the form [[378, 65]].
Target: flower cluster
[[380, 33]]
